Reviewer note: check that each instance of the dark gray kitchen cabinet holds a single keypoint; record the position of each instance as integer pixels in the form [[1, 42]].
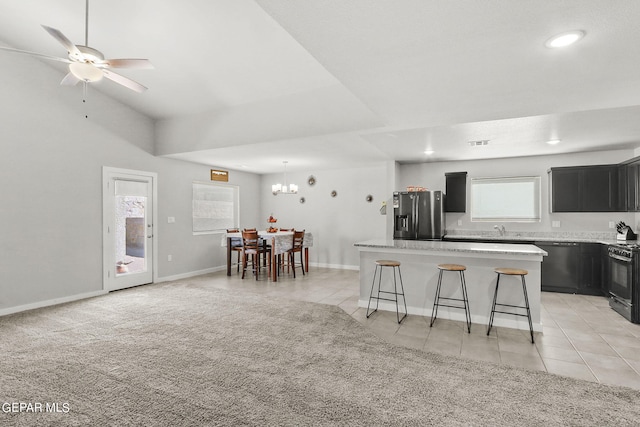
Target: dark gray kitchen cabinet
[[561, 267], [585, 189], [565, 188], [572, 267], [455, 192], [604, 273], [632, 174], [590, 282]]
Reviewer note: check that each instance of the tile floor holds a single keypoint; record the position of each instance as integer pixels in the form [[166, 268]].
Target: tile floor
[[582, 338]]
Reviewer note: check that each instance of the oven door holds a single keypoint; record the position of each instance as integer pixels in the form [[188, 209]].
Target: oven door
[[621, 278]]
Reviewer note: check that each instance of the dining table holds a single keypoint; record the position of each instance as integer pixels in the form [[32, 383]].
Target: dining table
[[281, 242]]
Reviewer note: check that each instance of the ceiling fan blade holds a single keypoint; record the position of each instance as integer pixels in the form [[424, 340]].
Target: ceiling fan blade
[[128, 63], [124, 81], [39, 55], [71, 48], [70, 80]]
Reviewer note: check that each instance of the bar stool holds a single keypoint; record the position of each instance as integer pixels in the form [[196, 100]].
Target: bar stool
[[464, 300], [511, 272], [394, 265]]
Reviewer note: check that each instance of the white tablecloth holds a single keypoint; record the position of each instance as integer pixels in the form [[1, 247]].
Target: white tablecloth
[[282, 240]]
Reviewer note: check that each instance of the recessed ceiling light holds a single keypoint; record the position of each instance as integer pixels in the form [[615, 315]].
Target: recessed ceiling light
[[564, 39], [429, 152], [553, 141]]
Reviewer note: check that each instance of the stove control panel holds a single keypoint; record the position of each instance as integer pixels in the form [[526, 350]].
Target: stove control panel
[[620, 252]]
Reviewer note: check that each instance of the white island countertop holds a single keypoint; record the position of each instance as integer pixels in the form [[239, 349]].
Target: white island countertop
[[445, 246]]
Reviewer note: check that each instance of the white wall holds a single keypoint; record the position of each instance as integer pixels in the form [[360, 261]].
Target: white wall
[[336, 222], [51, 210], [431, 175]]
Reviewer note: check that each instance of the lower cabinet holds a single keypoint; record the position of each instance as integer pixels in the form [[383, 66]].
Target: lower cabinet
[[605, 273], [591, 262], [561, 267], [572, 267]]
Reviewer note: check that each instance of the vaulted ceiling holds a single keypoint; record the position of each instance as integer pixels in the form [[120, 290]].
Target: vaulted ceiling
[[246, 84]]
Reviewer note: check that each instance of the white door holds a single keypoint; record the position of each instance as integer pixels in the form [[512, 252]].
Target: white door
[[128, 221]]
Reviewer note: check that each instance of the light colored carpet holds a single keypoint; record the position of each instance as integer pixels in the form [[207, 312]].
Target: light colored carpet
[[184, 354]]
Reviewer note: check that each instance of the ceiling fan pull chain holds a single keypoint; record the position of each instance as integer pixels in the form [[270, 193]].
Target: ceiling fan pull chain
[[84, 99]]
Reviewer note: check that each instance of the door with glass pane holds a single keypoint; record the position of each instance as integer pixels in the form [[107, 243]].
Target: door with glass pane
[[128, 229]]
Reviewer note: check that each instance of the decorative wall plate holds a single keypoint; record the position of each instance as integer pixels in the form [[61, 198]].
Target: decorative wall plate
[[334, 193], [311, 180], [302, 200], [369, 198]]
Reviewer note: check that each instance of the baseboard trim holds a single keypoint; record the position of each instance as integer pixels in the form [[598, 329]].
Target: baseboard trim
[[190, 274], [336, 266], [48, 303]]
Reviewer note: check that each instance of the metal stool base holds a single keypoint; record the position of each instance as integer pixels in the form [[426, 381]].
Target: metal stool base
[[513, 313], [395, 292], [464, 300]]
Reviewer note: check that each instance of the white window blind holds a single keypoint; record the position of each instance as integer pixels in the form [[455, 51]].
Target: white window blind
[[507, 199], [215, 207]]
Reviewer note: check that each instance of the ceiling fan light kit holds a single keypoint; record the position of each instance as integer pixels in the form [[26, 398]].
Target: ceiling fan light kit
[[85, 72]]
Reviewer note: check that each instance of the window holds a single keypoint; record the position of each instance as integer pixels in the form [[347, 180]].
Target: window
[[215, 207], [514, 199]]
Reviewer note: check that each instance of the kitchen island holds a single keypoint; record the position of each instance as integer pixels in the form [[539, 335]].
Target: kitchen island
[[420, 275]]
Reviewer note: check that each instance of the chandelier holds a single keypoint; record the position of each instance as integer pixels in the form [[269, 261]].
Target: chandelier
[[284, 188]]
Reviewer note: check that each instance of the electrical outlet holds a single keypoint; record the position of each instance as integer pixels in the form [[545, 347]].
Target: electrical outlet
[[555, 224], [169, 257], [612, 224], [171, 220], [459, 222]]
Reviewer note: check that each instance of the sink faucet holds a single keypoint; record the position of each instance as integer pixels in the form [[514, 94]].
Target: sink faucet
[[500, 229]]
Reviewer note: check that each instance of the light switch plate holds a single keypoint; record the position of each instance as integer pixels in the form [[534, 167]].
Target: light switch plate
[[555, 224], [459, 222], [612, 224], [171, 220]]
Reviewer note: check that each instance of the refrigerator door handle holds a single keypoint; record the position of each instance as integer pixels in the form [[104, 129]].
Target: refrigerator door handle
[[416, 207]]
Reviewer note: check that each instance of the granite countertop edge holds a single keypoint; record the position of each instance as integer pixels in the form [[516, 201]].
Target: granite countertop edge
[[445, 246]]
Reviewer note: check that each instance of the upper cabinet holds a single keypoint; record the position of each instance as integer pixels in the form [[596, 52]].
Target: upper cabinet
[[631, 173], [585, 189], [455, 192]]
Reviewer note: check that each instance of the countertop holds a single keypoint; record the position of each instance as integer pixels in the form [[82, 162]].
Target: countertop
[[445, 246]]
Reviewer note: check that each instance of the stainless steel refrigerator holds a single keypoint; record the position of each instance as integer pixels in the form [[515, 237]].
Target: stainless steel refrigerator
[[418, 215]]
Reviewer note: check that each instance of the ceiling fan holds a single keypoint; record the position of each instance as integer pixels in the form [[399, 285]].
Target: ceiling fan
[[87, 64]]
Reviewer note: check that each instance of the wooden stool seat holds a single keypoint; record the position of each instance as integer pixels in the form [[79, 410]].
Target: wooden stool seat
[[511, 271], [452, 267], [388, 263]]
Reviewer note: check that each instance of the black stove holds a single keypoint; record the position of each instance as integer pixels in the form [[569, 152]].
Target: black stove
[[624, 279]]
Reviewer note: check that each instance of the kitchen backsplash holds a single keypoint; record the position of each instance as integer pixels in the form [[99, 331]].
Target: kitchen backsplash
[[533, 235]]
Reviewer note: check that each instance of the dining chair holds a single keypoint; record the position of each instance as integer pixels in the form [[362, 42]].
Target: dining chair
[[236, 245], [251, 245], [298, 240], [262, 242], [279, 259]]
